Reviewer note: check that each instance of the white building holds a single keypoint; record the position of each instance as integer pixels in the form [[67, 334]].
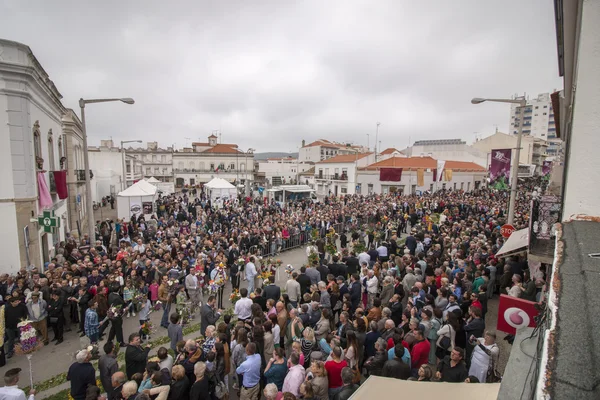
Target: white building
[[71, 156], [457, 175], [323, 149], [32, 115], [533, 150], [156, 162], [281, 171], [337, 175], [446, 149], [204, 161], [106, 163], [537, 120], [390, 152]]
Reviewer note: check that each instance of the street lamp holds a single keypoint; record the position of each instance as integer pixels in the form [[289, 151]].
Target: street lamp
[[249, 151], [124, 177], [515, 167], [86, 162]]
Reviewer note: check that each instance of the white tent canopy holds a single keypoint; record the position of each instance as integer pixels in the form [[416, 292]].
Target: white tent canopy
[[137, 199], [152, 180], [219, 188], [516, 243]]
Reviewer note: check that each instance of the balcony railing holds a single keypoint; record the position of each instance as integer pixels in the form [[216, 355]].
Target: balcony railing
[[80, 174], [545, 213], [334, 177]]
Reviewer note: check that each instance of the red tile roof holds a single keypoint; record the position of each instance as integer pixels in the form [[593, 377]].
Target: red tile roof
[[344, 158], [200, 144], [390, 150], [423, 162], [223, 148]]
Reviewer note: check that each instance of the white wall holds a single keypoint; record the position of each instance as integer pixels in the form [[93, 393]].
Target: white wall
[[107, 166], [310, 154], [10, 262], [582, 192], [462, 152], [463, 180]]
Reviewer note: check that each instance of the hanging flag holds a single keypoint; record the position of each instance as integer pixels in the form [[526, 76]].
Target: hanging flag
[[60, 180], [420, 177], [45, 200], [500, 168], [546, 167], [217, 169], [439, 170], [390, 174]]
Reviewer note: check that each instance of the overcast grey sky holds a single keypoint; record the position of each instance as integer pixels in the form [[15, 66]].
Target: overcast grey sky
[[271, 73]]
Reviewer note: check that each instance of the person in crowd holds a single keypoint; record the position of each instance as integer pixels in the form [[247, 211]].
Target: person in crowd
[[10, 390], [107, 367], [276, 369], [295, 376], [136, 356], [37, 309], [319, 382], [180, 384], [81, 374], [250, 370], [485, 355], [396, 367], [349, 387], [452, 368]]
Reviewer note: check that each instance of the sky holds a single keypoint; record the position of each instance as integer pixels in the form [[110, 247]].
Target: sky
[[268, 74]]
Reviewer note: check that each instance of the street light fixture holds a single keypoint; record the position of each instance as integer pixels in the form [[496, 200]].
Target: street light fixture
[[124, 177], [515, 167], [86, 162], [247, 182]]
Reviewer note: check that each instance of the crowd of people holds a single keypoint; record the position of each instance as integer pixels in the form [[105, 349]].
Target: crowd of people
[[405, 307]]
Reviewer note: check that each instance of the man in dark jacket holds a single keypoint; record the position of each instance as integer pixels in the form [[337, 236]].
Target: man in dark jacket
[[336, 268], [396, 368], [348, 388], [304, 281], [82, 375], [208, 314], [272, 291], [116, 328], [352, 263], [14, 312], [260, 299], [136, 357], [452, 368], [56, 315], [107, 366], [355, 291]]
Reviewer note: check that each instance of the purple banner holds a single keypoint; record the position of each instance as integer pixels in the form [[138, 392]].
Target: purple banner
[[500, 168], [546, 167]]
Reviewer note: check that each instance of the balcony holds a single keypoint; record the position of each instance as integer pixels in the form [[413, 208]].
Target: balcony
[[334, 177], [545, 213], [80, 175]]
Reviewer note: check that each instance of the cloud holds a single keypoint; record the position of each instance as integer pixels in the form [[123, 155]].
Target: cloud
[[269, 74]]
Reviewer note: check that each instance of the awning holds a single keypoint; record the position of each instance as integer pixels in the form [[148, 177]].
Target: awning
[[516, 243], [377, 387]]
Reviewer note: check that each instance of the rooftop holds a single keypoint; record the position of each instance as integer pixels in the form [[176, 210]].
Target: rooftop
[[423, 162], [345, 158], [328, 143], [223, 148], [438, 142], [389, 150]]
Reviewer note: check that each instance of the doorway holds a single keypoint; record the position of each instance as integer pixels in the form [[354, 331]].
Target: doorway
[[45, 252]]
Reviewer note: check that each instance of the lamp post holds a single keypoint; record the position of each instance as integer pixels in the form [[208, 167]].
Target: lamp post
[[376, 139], [124, 177], [86, 163], [247, 183], [515, 167]]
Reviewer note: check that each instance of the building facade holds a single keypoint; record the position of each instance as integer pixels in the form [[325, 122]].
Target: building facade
[[29, 153], [447, 149], [72, 158], [456, 175], [337, 175], [206, 160], [537, 120], [106, 162], [281, 171], [323, 149], [156, 162]]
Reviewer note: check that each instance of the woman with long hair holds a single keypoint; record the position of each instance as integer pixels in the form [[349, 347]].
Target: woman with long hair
[[319, 381], [352, 352]]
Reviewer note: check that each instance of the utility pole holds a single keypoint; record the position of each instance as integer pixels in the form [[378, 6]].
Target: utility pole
[[376, 138]]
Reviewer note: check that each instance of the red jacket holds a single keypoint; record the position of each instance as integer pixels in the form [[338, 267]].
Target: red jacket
[[420, 353]]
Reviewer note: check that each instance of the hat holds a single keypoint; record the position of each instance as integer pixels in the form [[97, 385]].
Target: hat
[[12, 372]]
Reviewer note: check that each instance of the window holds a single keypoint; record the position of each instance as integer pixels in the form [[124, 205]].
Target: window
[[192, 165], [221, 166], [468, 186], [358, 188], [454, 185], [344, 190], [545, 106], [50, 151], [444, 186], [128, 167], [212, 166], [148, 171], [370, 188], [163, 159], [156, 170], [431, 187], [37, 146], [232, 166], [545, 113], [536, 107], [153, 158], [462, 186], [180, 165]]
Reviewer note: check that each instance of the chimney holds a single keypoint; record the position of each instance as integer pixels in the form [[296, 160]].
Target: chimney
[[303, 142]]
